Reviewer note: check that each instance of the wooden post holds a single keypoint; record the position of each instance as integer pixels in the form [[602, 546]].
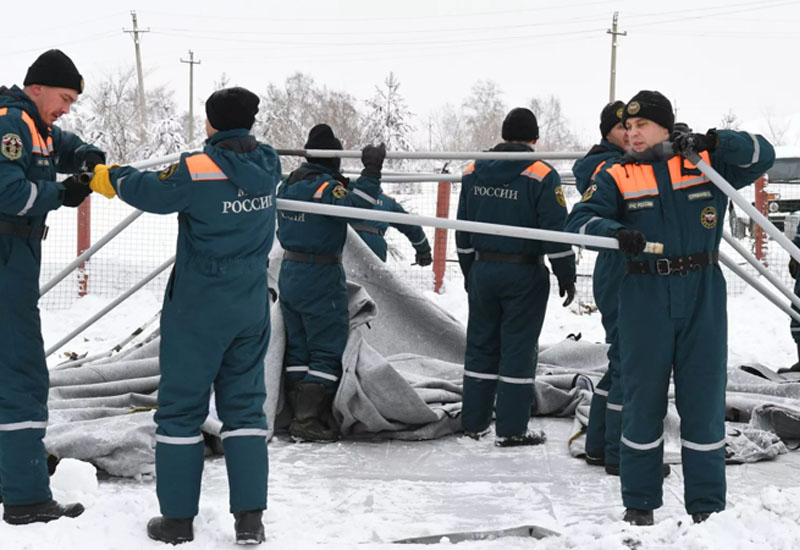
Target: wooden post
[[84, 242], [440, 239]]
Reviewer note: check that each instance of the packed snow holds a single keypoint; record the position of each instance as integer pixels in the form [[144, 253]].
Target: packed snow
[[367, 495]]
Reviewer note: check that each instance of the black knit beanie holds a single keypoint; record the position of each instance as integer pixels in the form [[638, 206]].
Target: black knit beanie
[[652, 106], [520, 125], [232, 108], [321, 137], [54, 68], [610, 117]]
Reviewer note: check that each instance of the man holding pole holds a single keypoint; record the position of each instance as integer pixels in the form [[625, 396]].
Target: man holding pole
[[672, 308], [33, 150], [508, 283]]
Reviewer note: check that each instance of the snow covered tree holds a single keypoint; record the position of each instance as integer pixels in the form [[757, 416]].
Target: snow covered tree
[[729, 121], [554, 131], [485, 111], [388, 120], [286, 114]]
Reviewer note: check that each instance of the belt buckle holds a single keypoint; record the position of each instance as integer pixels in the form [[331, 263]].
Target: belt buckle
[[45, 231], [663, 266]]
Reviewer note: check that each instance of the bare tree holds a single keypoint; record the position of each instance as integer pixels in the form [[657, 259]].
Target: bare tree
[[776, 128], [485, 111], [729, 121], [554, 131]]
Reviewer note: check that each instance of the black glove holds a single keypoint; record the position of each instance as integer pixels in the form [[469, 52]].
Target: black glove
[[793, 267], [424, 258], [92, 159], [568, 288], [685, 143], [372, 158], [631, 241], [74, 192]]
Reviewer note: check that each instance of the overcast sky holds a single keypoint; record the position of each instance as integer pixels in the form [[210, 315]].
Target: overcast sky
[[707, 56]]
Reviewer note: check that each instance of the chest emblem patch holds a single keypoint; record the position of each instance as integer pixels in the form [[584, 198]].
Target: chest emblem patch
[[560, 196], [339, 191], [708, 217], [12, 146]]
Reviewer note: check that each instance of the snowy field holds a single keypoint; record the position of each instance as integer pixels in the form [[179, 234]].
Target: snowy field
[[367, 495]]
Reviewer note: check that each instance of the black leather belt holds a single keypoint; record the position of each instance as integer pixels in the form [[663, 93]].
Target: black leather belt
[[312, 258], [364, 228], [24, 231], [501, 258], [680, 265]]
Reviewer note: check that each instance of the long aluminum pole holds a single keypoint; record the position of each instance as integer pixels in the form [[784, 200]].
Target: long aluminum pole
[[752, 281], [460, 225], [111, 234], [766, 273], [100, 314], [744, 204], [436, 155], [410, 177]]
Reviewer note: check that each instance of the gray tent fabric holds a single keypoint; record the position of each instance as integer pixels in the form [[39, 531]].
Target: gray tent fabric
[[402, 379]]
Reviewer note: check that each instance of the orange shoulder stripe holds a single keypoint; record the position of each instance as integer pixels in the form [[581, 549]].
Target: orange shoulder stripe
[[682, 181], [320, 189], [538, 170], [634, 180], [202, 168]]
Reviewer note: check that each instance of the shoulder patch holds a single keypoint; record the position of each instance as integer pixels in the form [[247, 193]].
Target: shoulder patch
[[167, 172], [589, 192], [11, 146], [339, 191], [560, 196]]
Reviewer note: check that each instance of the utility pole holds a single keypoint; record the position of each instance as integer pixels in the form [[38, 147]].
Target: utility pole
[[142, 112], [191, 63], [613, 32]]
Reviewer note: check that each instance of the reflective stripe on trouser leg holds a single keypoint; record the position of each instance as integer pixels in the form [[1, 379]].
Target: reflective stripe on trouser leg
[[596, 427], [794, 326], [482, 356], [700, 381], [240, 392], [24, 379], [647, 336], [524, 302]]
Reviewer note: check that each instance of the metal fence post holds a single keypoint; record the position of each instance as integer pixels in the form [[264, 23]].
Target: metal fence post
[[84, 242], [440, 236], [762, 206]]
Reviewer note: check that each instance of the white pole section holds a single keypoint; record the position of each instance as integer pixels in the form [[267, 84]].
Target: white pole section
[[437, 155], [752, 281]]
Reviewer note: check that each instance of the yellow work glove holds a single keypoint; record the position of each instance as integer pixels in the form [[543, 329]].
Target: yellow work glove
[[101, 182]]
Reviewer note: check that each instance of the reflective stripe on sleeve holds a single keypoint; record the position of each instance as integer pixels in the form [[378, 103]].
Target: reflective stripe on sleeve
[[703, 446], [27, 425], [31, 199], [582, 230], [642, 446], [557, 255], [756, 151], [364, 196], [245, 432], [170, 440]]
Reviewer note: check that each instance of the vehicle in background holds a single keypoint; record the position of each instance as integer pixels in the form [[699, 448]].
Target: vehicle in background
[[783, 188]]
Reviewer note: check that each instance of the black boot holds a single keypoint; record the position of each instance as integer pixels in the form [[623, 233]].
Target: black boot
[[249, 529], [170, 530], [594, 460], [41, 512], [313, 419], [535, 437], [634, 516], [700, 517], [796, 366]]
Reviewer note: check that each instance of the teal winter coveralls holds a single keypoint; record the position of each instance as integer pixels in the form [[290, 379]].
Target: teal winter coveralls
[[508, 285], [372, 232], [672, 312], [215, 322], [605, 418], [32, 154], [312, 284]]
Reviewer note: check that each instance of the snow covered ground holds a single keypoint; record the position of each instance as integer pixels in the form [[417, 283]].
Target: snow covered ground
[[366, 495]]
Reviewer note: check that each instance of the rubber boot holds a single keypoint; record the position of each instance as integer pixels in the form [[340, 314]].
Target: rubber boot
[[249, 529], [700, 517], [41, 512], [795, 367], [170, 530], [312, 412], [534, 437], [634, 516]]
